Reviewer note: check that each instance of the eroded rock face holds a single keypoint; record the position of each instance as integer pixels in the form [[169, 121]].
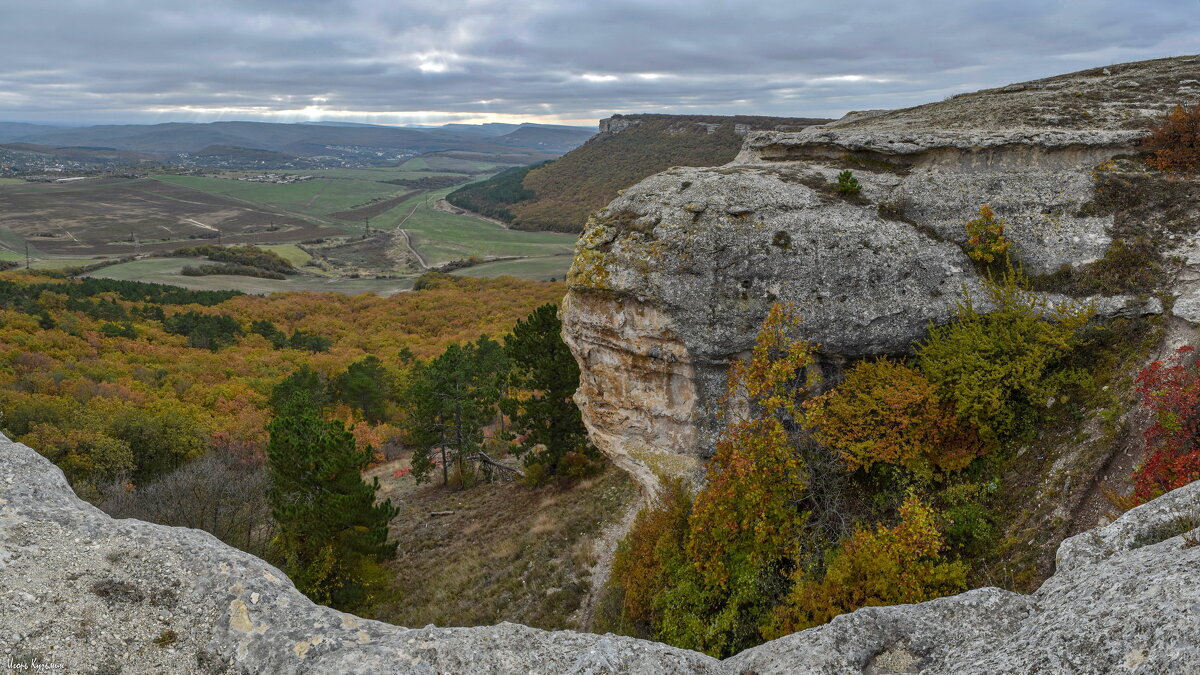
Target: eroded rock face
[[706, 251], [633, 354], [87, 593]]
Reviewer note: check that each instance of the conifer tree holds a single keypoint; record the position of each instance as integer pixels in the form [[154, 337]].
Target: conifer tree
[[453, 397], [367, 386], [332, 535], [304, 391], [543, 379]]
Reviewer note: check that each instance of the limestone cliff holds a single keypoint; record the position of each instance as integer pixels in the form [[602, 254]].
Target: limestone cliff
[[84, 593], [671, 279]]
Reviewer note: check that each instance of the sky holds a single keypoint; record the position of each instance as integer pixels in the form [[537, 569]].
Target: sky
[[566, 62]]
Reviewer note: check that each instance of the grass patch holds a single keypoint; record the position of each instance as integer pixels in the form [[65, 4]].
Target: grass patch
[[318, 197], [1127, 267], [441, 236], [1164, 531], [548, 268], [508, 553], [289, 252], [168, 271]]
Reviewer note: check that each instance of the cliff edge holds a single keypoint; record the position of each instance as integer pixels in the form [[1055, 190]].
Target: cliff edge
[[672, 279]]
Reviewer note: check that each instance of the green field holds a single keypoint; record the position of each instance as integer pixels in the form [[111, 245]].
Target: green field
[[100, 219], [166, 271], [374, 174], [290, 252], [441, 236], [10, 181], [318, 197], [549, 268]]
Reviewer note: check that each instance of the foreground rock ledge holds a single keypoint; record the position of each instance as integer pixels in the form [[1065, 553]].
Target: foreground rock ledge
[[95, 595]]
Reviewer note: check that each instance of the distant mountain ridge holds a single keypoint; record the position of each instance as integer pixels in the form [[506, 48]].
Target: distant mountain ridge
[[297, 139], [560, 194]]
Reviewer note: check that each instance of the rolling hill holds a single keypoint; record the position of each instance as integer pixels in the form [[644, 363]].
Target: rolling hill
[[559, 195]]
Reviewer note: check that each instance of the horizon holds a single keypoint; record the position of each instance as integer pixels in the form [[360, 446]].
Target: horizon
[[81, 124]]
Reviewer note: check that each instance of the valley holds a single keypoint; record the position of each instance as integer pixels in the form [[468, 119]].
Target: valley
[[349, 230]]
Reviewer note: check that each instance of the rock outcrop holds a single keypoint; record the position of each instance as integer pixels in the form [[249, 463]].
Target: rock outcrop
[[89, 594], [672, 279]]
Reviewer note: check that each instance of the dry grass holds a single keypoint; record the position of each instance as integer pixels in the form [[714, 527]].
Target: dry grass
[[508, 553]]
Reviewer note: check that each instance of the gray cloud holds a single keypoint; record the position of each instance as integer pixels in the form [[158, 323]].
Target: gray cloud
[[547, 60]]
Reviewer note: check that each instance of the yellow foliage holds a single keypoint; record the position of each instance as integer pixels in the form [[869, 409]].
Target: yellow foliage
[[886, 566]]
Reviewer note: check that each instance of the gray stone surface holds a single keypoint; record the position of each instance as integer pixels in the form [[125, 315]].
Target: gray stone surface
[[90, 594], [93, 595]]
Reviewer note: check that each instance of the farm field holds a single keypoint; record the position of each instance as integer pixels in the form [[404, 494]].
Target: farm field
[[441, 236], [167, 271], [124, 217], [76, 224], [317, 198], [547, 268]]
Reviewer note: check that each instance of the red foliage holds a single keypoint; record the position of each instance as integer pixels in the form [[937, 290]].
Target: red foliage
[[1175, 143], [1170, 389]]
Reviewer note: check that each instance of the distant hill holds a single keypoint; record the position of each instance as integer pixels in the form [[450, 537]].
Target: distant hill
[[559, 195], [299, 139], [235, 153], [11, 131], [93, 155], [544, 137]]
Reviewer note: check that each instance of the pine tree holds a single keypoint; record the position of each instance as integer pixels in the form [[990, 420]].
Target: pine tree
[[543, 379], [366, 386], [332, 535], [304, 391], [452, 397]]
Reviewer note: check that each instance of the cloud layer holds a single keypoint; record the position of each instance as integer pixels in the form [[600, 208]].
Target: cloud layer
[[426, 61]]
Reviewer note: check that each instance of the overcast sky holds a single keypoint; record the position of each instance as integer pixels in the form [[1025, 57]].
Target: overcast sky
[[435, 61]]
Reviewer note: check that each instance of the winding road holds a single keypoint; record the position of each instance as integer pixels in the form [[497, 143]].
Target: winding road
[[408, 239]]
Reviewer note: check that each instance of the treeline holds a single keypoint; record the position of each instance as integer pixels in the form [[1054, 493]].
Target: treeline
[[494, 196], [239, 257], [891, 487], [234, 269], [428, 182]]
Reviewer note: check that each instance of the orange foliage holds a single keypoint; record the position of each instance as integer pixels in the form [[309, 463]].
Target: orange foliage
[[1174, 145], [646, 558], [73, 363], [747, 509], [887, 412], [986, 242]]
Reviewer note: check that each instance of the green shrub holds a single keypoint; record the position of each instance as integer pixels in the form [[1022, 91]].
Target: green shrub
[[999, 368], [847, 184]]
